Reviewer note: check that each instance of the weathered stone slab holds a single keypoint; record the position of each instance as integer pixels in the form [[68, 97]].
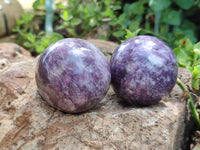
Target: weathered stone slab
[[28, 122], [11, 50], [106, 46], [11, 53]]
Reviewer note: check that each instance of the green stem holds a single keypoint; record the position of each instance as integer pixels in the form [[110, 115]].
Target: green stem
[[157, 22], [180, 84], [195, 59], [191, 102], [49, 16], [194, 113]]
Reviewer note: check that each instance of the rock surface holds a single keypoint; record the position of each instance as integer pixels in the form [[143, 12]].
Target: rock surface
[[106, 46], [28, 122], [11, 53]]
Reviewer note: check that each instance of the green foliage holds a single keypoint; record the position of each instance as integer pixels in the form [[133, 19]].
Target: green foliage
[[162, 18], [79, 20], [158, 5], [159, 18], [130, 34], [134, 8], [34, 42], [184, 4], [38, 4], [188, 55], [172, 17]]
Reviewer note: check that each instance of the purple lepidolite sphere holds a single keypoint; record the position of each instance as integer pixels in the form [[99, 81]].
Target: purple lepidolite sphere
[[143, 70], [73, 75]]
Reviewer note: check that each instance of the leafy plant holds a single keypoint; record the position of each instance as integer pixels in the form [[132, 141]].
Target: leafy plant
[[188, 56], [30, 37], [162, 18], [74, 20], [79, 20]]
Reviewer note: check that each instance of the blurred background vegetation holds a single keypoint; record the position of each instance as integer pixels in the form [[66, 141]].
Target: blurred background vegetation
[[170, 20]]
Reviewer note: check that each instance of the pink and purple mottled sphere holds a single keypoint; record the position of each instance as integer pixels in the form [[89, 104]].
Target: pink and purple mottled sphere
[[143, 70], [73, 75]]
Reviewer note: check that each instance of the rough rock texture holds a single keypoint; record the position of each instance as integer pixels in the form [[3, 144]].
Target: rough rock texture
[[106, 46], [28, 122], [11, 53], [11, 49]]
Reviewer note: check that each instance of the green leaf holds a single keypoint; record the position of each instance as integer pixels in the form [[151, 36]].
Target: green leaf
[[28, 44], [183, 57], [158, 5], [60, 6], [188, 25], [119, 33], [116, 7], [134, 26], [184, 4], [31, 37], [106, 2], [109, 13], [191, 35], [26, 18], [172, 17], [164, 29], [47, 40], [38, 3], [188, 46], [196, 70], [66, 16], [147, 26], [195, 83], [197, 48], [113, 23], [55, 37], [189, 29], [93, 22], [144, 1], [75, 21], [71, 31], [39, 49], [129, 34], [136, 8]]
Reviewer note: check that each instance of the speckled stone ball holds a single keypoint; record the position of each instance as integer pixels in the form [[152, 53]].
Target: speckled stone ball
[[73, 75], [143, 70]]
